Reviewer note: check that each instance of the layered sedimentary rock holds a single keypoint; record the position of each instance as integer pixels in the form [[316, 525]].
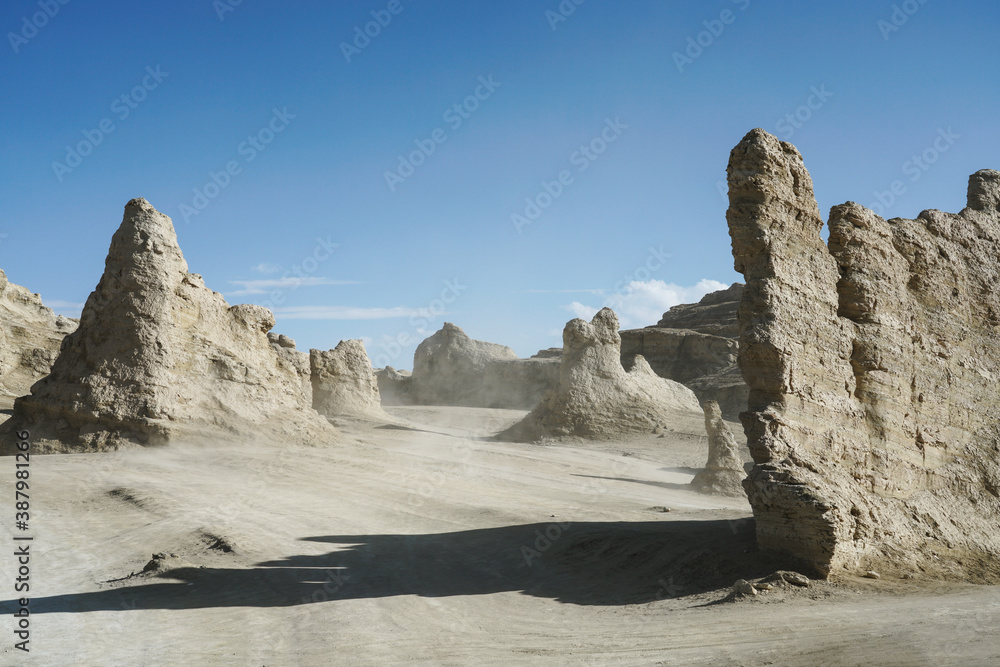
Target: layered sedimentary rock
[[450, 368], [158, 356], [344, 384], [723, 473], [873, 365], [715, 314], [696, 345], [596, 398], [30, 336]]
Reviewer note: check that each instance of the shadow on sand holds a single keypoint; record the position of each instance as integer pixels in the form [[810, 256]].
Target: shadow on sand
[[611, 563]]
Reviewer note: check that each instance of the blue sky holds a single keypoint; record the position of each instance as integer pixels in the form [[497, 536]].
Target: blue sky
[[268, 141]]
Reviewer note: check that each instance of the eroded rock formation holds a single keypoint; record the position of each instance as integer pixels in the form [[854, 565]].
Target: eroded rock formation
[[596, 398], [696, 345], [393, 386], [450, 368], [158, 356], [873, 365], [723, 473], [30, 336], [344, 384]]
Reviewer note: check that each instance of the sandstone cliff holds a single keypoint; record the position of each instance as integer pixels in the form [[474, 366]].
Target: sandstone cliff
[[596, 398], [158, 356], [30, 336], [873, 366]]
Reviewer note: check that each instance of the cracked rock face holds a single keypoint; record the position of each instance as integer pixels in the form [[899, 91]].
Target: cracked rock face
[[30, 337], [344, 384], [596, 398], [158, 356], [873, 364]]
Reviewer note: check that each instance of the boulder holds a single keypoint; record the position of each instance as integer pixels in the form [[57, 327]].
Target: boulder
[[159, 357], [343, 383], [873, 365], [723, 473], [30, 337], [596, 398]]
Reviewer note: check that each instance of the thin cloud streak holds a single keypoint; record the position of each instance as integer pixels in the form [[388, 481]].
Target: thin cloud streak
[[347, 313], [264, 286]]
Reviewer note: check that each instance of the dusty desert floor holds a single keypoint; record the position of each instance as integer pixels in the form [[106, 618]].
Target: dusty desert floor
[[427, 543]]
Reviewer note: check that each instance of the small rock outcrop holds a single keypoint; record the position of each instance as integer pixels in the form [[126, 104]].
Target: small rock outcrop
[[596, 398], [158, 356], [724, 472], [450, 368], [873, 363], [30, 336], [344, 384], [393, 386]]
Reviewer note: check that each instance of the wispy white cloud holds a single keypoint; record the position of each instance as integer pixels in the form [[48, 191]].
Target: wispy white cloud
[[65, 308], [347, 313], [598, 292], [266, 285], [643, 302], [267, 268]]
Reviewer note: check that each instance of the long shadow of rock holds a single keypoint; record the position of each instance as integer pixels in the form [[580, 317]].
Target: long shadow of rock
[[610, 563]]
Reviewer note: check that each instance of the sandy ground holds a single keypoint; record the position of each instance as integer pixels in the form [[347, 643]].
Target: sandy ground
[[427, 543]]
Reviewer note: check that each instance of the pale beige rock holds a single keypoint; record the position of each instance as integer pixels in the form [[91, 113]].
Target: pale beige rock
[[344, 384], [159, 357], [450, 368], [596, 398], [30, 336], [873, 367], [723, 473], [393, 386]]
